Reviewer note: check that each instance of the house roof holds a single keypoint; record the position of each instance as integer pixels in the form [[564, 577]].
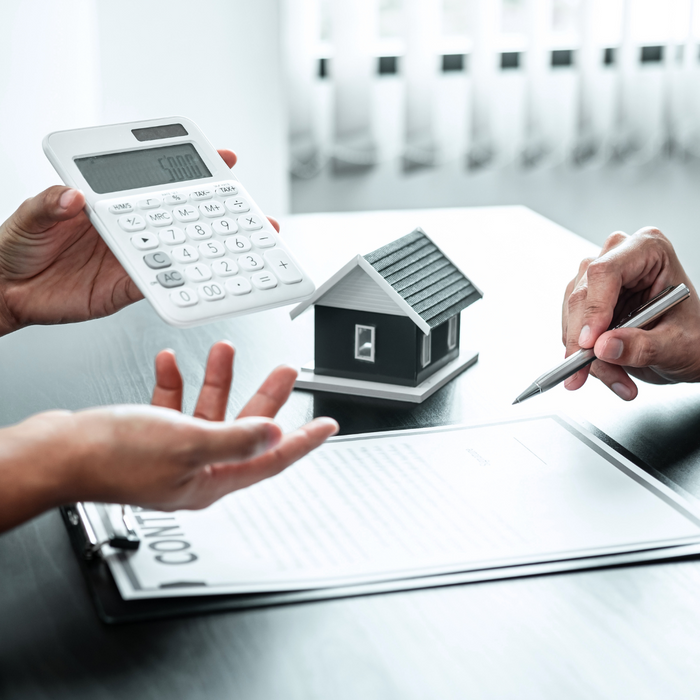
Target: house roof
[[416, 275]]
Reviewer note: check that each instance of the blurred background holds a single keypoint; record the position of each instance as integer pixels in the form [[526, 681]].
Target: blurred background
[[587, 111]]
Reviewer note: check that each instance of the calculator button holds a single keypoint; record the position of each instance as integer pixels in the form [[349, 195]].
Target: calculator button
[[185, 254], [238, 286], [198, 273], [121, 208], [251, 262], [170, 279], [185, 213], [159, 218], [212, 249], [175, 198], [172, 236], [211, 292], [201, 194], [184, 297], [237, 205], [199, 232], [238, 244], [249, 222], [263, 240], [282, 266], [264, 280], [157, 260], [150, 203], [144, 241], [132, 222], [225, 226], [225, 267], [212, 209], [226, 190]]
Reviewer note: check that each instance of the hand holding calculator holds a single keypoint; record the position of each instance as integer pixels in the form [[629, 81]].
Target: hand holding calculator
[[185, 230]]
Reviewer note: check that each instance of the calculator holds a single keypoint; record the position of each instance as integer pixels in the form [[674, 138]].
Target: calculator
[[183, 227]]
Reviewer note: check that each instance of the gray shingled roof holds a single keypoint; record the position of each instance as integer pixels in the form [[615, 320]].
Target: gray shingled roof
[[417, 269]]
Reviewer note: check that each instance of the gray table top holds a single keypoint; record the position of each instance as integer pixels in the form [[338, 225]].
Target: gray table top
[[626, 632]]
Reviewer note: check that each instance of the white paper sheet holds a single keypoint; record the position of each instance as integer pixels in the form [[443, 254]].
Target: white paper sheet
[[410, 504]]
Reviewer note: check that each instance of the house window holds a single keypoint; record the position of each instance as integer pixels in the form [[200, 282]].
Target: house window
[[426, 349], [364, 343], [452, 333]]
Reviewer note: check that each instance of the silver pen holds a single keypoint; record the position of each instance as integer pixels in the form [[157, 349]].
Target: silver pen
[[639, 318]]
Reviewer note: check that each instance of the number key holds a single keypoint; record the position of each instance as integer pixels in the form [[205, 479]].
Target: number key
[[225, 267], [225, 226], [211, 292], [185, 254], [198, 273], [199, 232], [251, 262], [238, 244], [184, 297], [212, 249], [172, 236]]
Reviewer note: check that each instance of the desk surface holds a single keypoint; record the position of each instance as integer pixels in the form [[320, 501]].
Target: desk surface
[[621, 633]]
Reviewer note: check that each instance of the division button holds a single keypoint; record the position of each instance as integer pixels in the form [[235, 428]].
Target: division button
[[132, 222], [144, 241], [150, 203], [264, 280], [237, 205], [250, 222], [279, 262], [263, 240], [184, 297], [121, 208], [157, 260], [238, 286], [211, 292], [170, 279], [185, 213]]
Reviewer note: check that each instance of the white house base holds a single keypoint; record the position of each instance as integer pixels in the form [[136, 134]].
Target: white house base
[[377, 390]]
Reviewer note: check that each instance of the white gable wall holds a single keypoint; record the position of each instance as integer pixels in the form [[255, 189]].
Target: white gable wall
[[358, 291]]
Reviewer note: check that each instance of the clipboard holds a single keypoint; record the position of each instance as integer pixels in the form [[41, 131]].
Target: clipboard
[[113, 609]]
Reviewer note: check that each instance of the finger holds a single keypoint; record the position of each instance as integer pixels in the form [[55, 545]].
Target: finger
[[292, 448], [615, 378], [275, 223], [230, 158], [213, 398], [168, 390], [272, 395], [576, 381], [613, 241], [567, 293], [39, 213], [634, 347], [239, 441]]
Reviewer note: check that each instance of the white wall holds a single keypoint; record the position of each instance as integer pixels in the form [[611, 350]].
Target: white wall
[[75, 63]]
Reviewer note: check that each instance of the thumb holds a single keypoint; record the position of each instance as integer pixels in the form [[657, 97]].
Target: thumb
[[37, 214], [635, 347]]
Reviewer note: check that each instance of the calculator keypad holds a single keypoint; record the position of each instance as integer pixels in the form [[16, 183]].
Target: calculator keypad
[[204, 245]]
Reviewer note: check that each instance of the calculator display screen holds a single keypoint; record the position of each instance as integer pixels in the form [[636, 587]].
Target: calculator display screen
[[129, 170]]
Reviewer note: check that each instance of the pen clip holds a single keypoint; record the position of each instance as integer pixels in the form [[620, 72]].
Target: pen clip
[[641, 308], [127, 539]]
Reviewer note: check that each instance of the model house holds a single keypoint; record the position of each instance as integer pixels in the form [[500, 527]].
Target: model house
[[391, 316]]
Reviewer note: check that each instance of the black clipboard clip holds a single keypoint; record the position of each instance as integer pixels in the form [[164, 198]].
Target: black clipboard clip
[[127, 539]]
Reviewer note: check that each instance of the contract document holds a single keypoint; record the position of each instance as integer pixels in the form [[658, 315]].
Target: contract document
[[391, 507]]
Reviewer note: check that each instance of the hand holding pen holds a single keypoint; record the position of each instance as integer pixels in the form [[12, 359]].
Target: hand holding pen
[[630, 271]]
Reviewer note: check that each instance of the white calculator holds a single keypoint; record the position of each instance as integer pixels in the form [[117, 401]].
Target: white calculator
[[184, 228]]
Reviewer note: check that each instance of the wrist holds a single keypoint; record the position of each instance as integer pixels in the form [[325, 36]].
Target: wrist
[[8, 322], [39, 466]]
